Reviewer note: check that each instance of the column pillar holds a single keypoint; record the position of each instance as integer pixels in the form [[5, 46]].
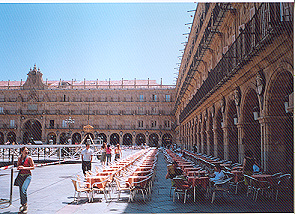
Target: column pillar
[[226, 141]]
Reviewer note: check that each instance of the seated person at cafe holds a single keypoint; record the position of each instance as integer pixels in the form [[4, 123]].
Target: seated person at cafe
[[218, 174], [173, 170]]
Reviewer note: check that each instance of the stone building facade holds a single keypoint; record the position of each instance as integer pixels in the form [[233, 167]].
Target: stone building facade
[[235, 86], [130, 112]]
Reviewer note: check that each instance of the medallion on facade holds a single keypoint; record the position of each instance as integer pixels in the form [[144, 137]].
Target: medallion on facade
[[237, 96], [260, 83]]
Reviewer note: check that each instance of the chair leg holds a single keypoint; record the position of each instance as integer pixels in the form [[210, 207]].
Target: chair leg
[[213, 197]]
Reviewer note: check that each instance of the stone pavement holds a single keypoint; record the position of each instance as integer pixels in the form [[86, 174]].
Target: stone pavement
[[51, 191]]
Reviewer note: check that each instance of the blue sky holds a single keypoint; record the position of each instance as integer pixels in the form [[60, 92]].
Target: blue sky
[[93, 41]]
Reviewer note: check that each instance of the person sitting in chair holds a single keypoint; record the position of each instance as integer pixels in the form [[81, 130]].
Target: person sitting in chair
[[173, 170], [218, 174]]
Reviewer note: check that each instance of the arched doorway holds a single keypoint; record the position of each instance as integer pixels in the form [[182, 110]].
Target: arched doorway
[[33, 129], [127, 139], [252, 134], [210, 136], [140, 139], [219, 132], [103, 137], [115, 139], [1, 138], [281, 131], [76, 138], [51, 138], [166, 140], [153, 140], [11, 137], [63, 139], [233, 134], [88, 136]]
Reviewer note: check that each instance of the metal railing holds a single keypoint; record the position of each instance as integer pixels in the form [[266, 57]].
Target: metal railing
[[268, 20]]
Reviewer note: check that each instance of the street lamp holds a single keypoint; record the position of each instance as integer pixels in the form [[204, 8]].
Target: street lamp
[[256, 112], [286, 103], [69, 122], [235, 119]]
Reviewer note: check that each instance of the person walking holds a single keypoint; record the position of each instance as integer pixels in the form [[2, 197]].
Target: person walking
[[103, 154], [86, 156], [118, 152], [109, 154], [25, 164]]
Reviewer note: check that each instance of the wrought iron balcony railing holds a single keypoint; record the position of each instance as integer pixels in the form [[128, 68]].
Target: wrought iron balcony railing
[[269, 20]]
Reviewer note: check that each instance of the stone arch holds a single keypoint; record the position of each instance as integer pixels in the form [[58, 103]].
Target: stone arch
[[279, 122], [76, 138], [34, 129], [233, 152], [210, 135], [219, 133], [114, 139], [154, 140], [103, 137], [127, 139], [140, 139], [166, 140], [51, 138], [11, 137], [1, 138], [251, 128], [63, 138]]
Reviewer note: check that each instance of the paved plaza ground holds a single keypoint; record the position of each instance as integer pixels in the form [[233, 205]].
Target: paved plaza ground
[[51, 191]]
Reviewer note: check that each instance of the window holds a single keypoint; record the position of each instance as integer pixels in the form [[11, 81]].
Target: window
[[154, 97], [141, 98], [154, 124], [167, 98], [12, 123], [51, 124], [1, 110], [65, 98], [140, 110], [167, 124], [140, 123], [64, 124]]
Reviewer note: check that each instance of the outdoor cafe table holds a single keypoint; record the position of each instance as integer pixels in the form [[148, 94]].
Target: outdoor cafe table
[[192, 169], [195, 181], [238, 168], [264, 177], [237, 174], [197, 173]]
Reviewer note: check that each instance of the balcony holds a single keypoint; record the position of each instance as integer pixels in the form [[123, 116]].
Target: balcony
[[267, 23]]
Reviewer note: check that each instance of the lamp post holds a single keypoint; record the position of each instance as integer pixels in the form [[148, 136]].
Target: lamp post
[[69, 121]]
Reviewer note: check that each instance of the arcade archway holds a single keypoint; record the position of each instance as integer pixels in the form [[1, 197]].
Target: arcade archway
[[32, 131], [167, 140], [115, 139], [140, 139], [127, 139], [154, 140]]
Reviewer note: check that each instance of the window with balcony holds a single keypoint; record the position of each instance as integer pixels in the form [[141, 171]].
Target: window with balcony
[[167, 98], [12, 123], [1, 110], [141, 98], [51, 124], [64, 124], [140, 124], [167, 124], [154, 98], [154, 124]]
